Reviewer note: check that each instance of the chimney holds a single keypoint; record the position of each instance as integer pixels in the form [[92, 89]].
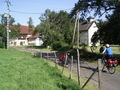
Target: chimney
[[90, 19]]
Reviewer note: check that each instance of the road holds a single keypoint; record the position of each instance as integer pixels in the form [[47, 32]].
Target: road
[[109, 81]]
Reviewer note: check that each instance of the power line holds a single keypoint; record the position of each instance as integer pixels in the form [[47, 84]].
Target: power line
[[22, 12], [25, 12]]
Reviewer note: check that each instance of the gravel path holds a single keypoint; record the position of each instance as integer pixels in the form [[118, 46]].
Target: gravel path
[[109, 81]]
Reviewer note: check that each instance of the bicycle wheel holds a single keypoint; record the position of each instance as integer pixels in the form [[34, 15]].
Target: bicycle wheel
[[111, 69]]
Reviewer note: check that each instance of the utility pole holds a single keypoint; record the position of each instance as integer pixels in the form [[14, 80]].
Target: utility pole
[[77, 34], [7, 15], [78, 54]]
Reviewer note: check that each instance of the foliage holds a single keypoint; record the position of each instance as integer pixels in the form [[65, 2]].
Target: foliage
[[4, 20], [98, 6], [55, 27], [30, 24], [2, 44], [109, 31], [20, 70], [60, 46], [15, 31], [3, 33]]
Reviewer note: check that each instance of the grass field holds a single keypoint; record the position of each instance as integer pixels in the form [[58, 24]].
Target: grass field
[[22, 71]]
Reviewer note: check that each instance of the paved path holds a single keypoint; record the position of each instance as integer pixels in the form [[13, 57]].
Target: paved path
[[109, 81]]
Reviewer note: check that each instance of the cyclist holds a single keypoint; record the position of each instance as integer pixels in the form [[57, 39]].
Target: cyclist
[[108, 52]]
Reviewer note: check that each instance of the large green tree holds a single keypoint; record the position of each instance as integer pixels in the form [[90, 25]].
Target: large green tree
[[55, 27], [14, 29], [98, 6], [109, 31]]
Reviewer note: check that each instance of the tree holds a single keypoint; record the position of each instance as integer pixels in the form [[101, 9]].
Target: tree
[[98, 6], [30, 24], [15, 31], [55, 27], [109, 31], [14, 28], [4, 20]]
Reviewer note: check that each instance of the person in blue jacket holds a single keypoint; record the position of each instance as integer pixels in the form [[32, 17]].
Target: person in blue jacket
[[108, 52]]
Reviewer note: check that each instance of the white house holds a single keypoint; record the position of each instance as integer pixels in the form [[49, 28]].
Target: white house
[[26, 38], [86, 32]]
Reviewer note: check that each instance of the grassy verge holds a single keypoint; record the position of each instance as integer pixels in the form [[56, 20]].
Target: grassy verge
[[21, 71], [89, 86]]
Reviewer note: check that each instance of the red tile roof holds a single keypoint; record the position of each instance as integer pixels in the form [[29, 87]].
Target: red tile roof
[[34, 36], [25, 30]]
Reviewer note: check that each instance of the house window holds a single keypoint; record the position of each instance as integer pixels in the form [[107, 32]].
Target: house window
[[15, 43], [21, 43]]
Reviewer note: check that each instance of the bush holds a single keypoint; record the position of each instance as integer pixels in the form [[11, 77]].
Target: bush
[[2, 44], [60, 46]]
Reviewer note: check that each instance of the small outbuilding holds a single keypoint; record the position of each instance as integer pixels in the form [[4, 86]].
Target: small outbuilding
[[87, 30]]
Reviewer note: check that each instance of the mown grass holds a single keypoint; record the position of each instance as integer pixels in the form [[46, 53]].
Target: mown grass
[[66, 72], [21, 71]]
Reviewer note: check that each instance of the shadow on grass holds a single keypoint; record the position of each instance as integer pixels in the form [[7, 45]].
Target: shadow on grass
[[36, 47]]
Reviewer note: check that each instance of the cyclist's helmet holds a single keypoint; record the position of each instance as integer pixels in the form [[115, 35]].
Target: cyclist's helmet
[[107, 45]]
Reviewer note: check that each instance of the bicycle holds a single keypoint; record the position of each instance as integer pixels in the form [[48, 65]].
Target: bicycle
[[110, 64]]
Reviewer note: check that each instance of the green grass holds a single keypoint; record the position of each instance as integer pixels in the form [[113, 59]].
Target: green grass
[[66, 72], [22, 71]]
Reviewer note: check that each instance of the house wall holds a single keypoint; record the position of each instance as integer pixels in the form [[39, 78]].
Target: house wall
[[84, 38], [91, 31], [18, 42], [36, 42]]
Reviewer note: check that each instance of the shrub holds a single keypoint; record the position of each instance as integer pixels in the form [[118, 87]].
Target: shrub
[[60, 46], [2, 44]]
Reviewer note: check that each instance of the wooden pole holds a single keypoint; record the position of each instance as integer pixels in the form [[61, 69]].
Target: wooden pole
[[65, 62], [55, 59], [47, 55], [99, 73], [71, 66], [78, 54], [74, 30]]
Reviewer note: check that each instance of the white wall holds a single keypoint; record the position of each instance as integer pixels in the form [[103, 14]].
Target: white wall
[[36, 42], [91, 31], [18, 42], [84, 37]]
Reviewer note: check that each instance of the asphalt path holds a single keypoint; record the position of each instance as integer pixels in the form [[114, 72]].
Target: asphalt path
[[109, 81]]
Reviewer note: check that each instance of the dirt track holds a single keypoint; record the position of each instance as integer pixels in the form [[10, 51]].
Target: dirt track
[[109, 81]]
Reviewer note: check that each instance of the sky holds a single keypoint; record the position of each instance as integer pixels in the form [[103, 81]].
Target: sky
[[19, 7]]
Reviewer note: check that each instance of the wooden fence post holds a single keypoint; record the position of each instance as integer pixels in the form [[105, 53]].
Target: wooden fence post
[[55, 59], [65, 62], [99, 73], [71, 66], [41, 54]]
